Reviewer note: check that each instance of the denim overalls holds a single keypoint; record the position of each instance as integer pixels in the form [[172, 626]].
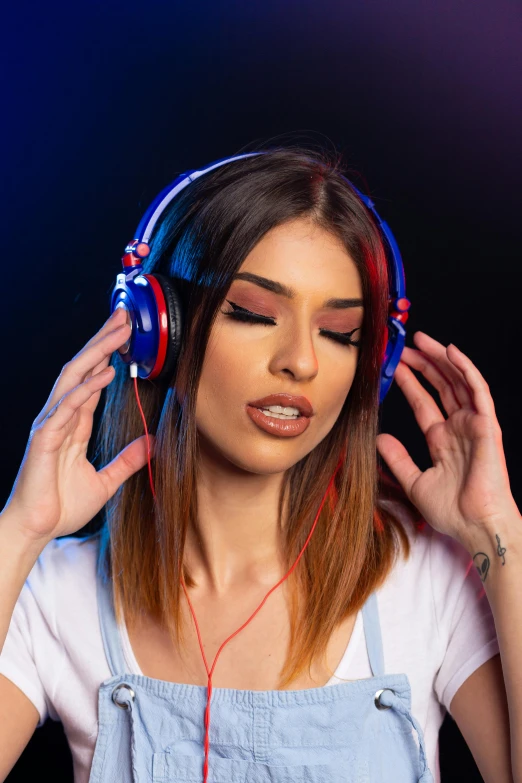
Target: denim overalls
[[152, 731]]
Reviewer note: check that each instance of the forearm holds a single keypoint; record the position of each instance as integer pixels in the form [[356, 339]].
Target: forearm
[[497, 553], [18, 554]]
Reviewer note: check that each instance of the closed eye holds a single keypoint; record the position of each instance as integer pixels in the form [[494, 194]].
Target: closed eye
[[239, 313], [345, 338], [242, 314]]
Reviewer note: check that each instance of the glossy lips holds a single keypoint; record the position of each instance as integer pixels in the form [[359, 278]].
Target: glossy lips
[[283, 427]]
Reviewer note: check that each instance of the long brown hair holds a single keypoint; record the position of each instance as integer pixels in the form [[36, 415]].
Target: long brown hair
[[201, 241]]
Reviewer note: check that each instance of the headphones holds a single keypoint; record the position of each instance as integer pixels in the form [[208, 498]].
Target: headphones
[[154, 308]]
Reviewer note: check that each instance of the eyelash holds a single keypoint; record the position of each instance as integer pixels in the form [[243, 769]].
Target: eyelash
[[247, 316]]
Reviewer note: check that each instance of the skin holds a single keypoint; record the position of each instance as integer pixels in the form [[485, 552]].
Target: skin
[[241, 466]]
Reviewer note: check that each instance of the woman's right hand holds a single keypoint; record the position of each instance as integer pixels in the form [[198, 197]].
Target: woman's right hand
[[57, 490]]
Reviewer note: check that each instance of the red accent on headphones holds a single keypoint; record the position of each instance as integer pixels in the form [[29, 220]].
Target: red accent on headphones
[[402, 317], [163, 322], [130, 260], [135, 252], [402, 306]]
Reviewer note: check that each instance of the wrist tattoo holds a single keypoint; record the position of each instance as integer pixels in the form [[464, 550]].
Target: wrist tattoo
[[501, 550], [481, 560]]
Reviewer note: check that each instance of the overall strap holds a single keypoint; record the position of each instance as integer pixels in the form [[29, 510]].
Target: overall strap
[[372, 632], [109, 628]]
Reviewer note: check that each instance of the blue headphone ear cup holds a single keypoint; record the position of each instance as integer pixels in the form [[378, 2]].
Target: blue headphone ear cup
[[175, 326]]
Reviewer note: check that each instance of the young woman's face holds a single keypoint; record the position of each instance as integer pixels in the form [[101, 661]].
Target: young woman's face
[[284, 329]]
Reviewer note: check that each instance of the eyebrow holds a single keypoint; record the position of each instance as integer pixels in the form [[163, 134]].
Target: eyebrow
[[283, 290]]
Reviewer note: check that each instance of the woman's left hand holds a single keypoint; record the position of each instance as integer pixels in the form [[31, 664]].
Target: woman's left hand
[[468, 485]]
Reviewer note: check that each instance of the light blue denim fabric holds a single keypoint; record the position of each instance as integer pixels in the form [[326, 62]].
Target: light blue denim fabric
[[152, 731]]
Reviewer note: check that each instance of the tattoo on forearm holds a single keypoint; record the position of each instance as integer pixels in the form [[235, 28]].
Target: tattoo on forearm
[[481, 560]]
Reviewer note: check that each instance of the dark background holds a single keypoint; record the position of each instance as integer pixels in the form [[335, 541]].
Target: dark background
[[104, 103]]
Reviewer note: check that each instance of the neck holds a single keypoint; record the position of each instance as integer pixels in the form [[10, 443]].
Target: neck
[[236, 543]]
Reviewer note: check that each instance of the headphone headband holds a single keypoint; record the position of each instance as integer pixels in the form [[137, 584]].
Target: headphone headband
[[154, 211]]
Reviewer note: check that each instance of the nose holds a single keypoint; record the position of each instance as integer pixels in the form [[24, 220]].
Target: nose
[[294, 355]]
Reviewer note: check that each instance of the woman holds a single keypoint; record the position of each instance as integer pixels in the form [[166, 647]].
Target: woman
[[264, 480]]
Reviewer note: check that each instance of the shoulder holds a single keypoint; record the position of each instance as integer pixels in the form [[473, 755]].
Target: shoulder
[[435, 616], [53, 650]]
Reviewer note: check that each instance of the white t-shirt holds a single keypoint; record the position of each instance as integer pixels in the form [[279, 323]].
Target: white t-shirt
[[436, 625]]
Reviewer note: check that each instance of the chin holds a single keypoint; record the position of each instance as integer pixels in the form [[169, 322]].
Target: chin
[[270, 457], [263, 467]]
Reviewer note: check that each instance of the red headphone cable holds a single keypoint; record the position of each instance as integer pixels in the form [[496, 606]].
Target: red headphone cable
[[211, 671]]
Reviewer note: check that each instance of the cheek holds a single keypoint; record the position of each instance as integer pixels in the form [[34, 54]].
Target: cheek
[[224, 377]]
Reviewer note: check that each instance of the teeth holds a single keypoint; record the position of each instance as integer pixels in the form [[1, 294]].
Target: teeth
[[280, 409], [278, 412]]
